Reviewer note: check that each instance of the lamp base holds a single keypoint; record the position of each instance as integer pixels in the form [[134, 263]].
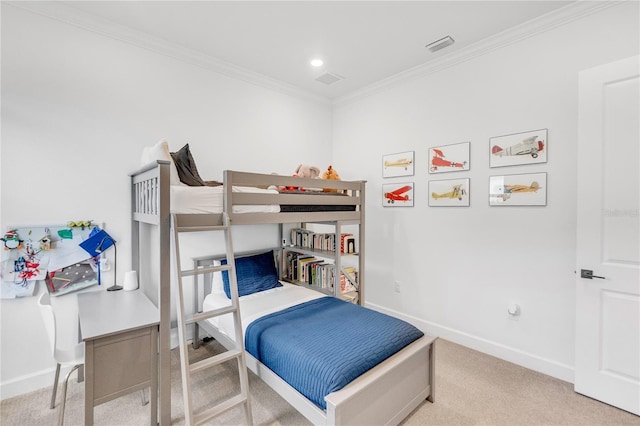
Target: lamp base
[[114, 288]]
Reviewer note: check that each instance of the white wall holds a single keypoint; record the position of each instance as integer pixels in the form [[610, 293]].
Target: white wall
[[75, 103], [77, 109], [459, 268]]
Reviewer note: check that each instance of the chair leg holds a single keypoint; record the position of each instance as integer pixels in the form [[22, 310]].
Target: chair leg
[[64, 394], [81, 374], [143, 398], [55, 387]]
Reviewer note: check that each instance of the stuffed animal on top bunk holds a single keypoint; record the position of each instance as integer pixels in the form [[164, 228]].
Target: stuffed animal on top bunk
[[303, 171], [330, 174]]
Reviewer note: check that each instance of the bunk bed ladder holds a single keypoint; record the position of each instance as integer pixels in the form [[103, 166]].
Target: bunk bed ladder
[[196, 223]]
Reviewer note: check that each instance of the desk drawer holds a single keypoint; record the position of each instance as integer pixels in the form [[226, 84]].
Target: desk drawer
[[121, 364]]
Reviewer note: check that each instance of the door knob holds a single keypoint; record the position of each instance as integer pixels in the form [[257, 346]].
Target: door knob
[[588, 274]]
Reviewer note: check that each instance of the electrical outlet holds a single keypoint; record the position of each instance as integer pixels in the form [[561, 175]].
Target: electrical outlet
[[396, 286], [514, 311]]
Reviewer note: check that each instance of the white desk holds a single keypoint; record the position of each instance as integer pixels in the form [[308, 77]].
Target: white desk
[[120, 331]]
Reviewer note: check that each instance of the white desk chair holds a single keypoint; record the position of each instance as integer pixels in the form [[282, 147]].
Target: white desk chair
[[69, 357]]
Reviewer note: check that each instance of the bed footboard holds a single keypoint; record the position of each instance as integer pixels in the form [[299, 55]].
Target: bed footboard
[[385, 395], [390, 392]]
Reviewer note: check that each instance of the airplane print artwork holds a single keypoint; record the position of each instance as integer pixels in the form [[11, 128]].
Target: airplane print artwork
[[450, 192], [400, 164], [397, 194], [518, 190], [449, 158], [457, 191], [530, 146], [521, 148]]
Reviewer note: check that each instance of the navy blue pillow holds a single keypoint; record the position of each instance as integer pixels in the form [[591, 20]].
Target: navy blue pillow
[[254, 273]]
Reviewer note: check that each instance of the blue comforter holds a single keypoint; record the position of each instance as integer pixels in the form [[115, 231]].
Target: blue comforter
[[319, 346]]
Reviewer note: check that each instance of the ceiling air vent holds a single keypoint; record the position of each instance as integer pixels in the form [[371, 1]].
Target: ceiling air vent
[[329, 78], [440, 44]]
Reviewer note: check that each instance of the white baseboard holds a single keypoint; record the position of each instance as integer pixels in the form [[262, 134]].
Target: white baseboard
[[516, 356], [44, 378], [27, 383]]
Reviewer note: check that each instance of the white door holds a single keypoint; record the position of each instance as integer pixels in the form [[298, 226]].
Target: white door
[[607, 351]]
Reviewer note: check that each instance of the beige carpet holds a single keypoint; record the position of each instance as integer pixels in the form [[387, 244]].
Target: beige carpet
[[471, 389]]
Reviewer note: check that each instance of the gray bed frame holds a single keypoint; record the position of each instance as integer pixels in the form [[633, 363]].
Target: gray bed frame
[[384, 395]]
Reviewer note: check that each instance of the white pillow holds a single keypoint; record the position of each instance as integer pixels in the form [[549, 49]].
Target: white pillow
[[160, 151], [217, 286]]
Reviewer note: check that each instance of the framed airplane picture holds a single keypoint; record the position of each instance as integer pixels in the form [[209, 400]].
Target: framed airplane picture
[[449, 193], [449, 158], [519, 148], [400, 164], [518, 190], [397, 194]]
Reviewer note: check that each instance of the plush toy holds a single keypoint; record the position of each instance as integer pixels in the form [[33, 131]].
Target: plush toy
[[306, 171], [330, 174], [303, 171]]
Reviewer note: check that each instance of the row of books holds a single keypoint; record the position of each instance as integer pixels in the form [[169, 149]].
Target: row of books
[[319, 273], [322, 241], [310, 270]]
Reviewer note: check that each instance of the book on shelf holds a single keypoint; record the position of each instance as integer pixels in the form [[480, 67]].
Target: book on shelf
[[305, 238], [317, 272], [347, 243], [351, 296], [307, 270], [301, 261], [348, 279], [310, 271]]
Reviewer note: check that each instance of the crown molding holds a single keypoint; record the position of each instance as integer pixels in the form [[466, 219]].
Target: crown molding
[[104, 27], [549, 21], [78, 18]]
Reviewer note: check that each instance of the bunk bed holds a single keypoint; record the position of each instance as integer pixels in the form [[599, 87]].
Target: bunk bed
[[386, 394]]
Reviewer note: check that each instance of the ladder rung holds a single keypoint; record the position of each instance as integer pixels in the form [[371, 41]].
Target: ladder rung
[[201, 316], [219, 409], [214, 360], [201, 228], [200, 271]]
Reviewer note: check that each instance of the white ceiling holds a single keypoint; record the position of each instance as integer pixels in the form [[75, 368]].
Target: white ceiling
[[362, 41]]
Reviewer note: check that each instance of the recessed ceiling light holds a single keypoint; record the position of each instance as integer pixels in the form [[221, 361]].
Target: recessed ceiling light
[[316, 62], [440, 44]]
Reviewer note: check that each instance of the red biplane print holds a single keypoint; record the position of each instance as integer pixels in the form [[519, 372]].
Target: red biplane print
[[398, 194]]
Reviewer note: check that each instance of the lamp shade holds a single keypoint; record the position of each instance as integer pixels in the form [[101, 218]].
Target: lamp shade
[[97, 242]]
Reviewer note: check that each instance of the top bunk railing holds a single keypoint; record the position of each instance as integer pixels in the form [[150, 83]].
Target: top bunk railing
[[304, 192], [151, 193], [147, 186]]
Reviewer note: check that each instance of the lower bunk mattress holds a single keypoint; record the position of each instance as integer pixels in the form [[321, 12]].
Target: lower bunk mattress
[[317, 344]]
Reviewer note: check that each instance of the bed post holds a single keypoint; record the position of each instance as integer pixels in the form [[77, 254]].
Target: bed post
[[150, 194], [164, 297], [361, 235], [135, 229]]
